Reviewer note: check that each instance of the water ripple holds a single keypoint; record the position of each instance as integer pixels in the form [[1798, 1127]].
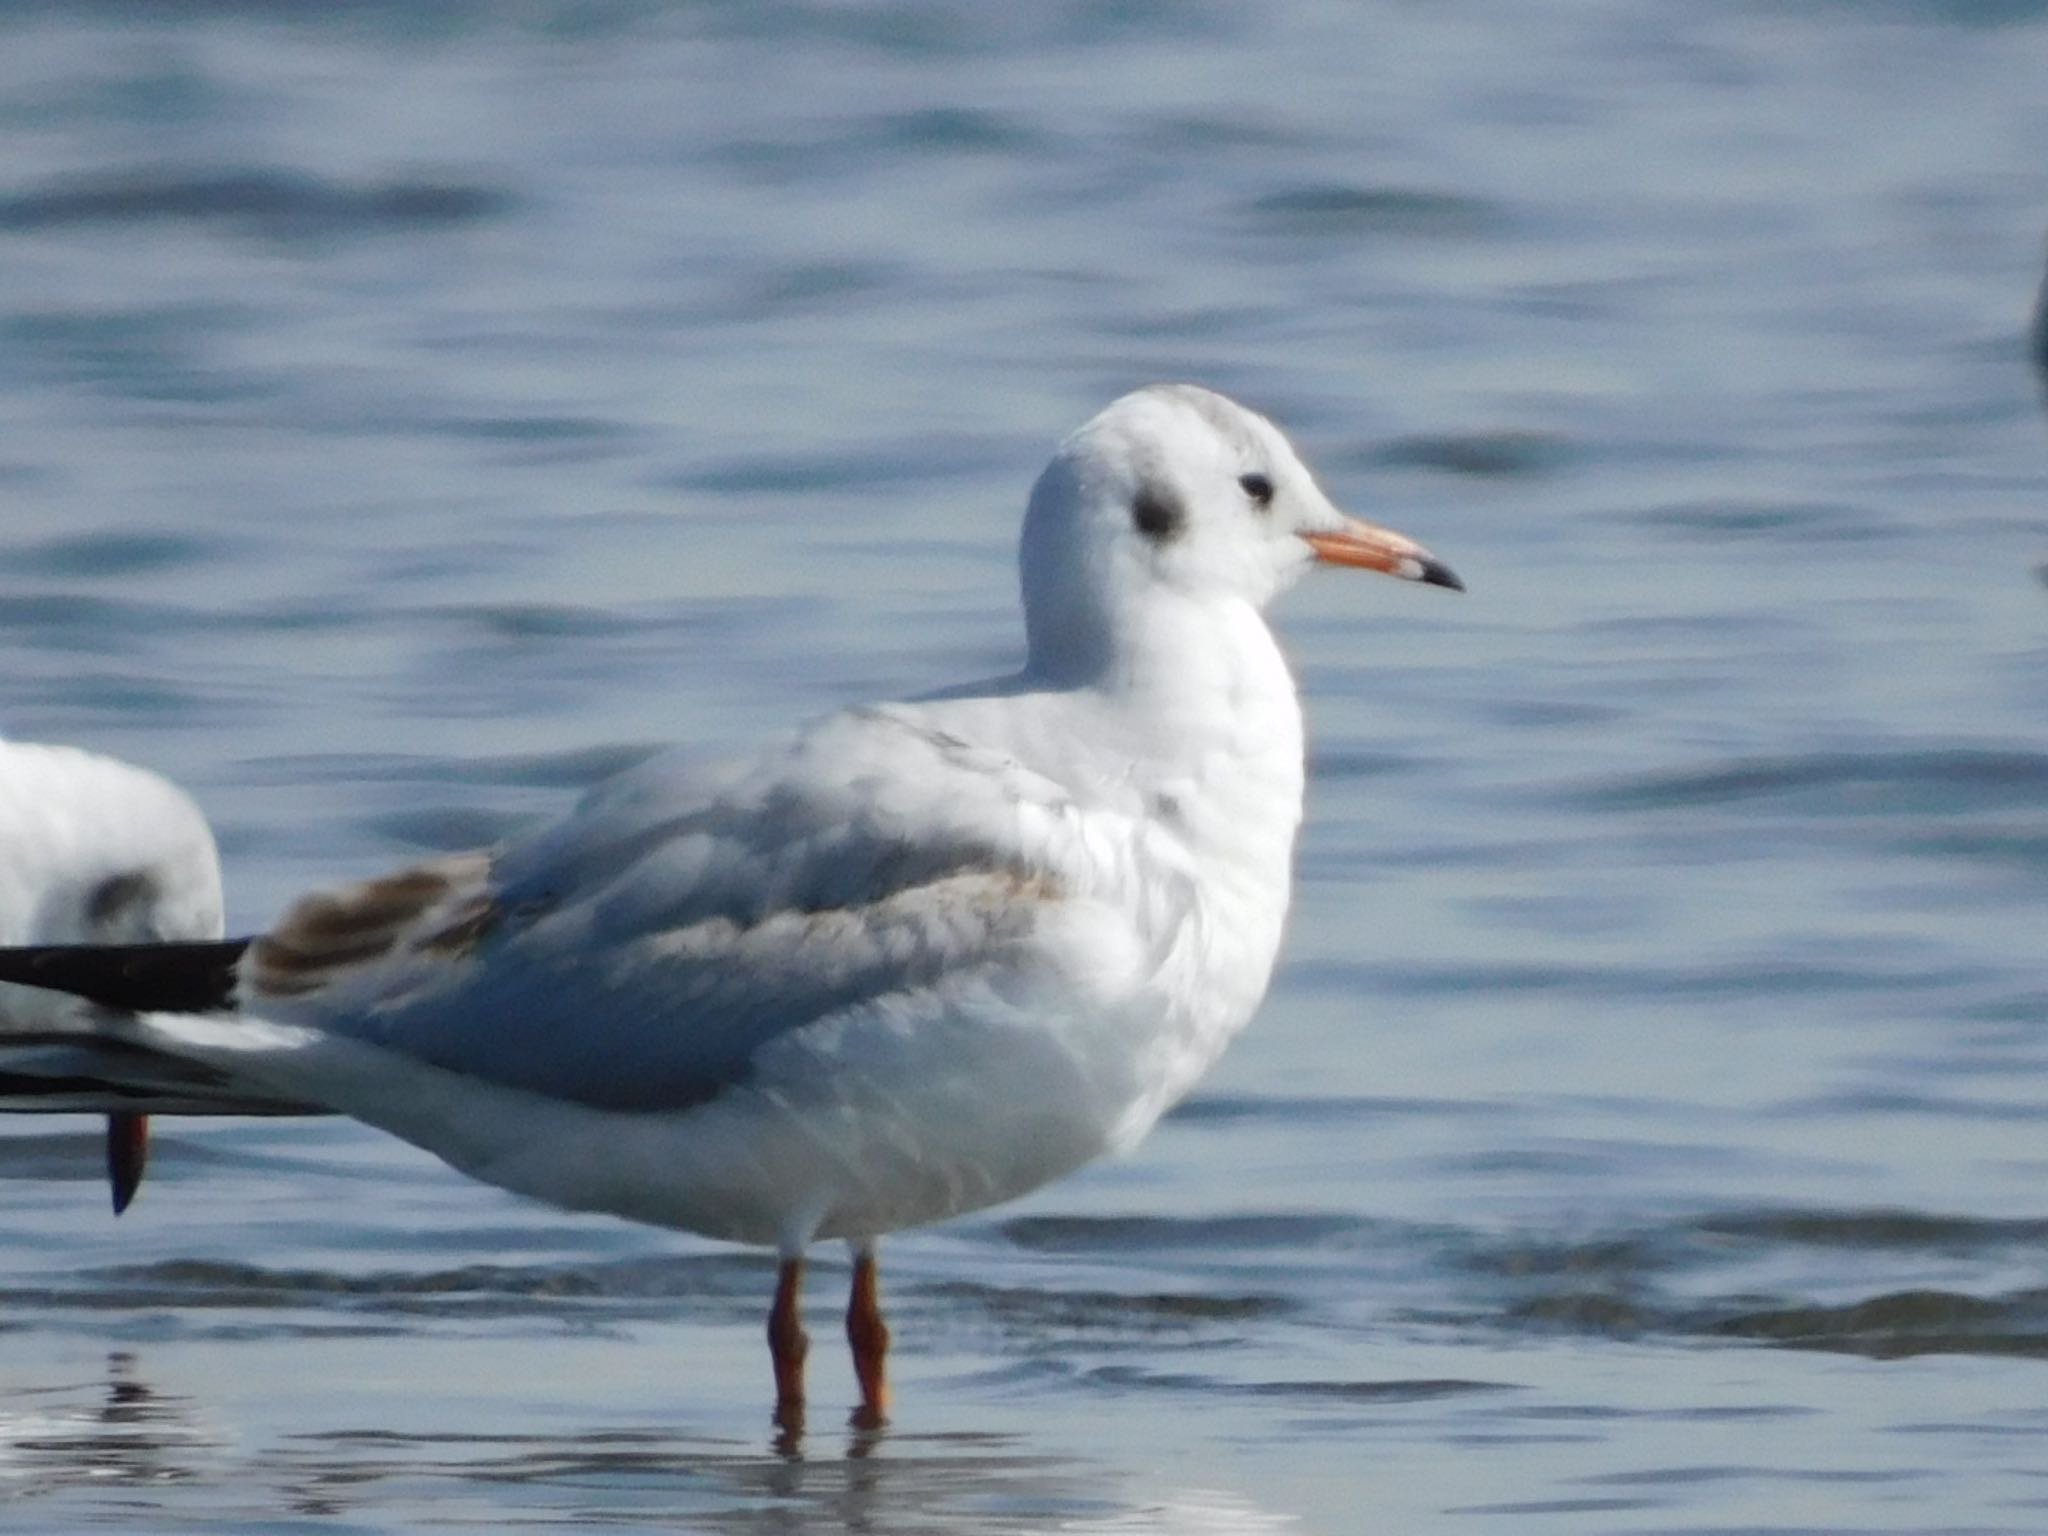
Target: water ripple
[[1900, 1325], [1132, 1234], [276, 203], [1498, 455], [115, 552], [1333, 210], [1817, 522], [1872, 782]]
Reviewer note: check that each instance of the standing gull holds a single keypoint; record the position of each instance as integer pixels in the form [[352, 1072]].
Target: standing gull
[[97, 851], [914, 960]]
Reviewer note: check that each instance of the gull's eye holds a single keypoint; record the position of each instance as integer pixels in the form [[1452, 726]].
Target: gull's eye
[[1259, 488]]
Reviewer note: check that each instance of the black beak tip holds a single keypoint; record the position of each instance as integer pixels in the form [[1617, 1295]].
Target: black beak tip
[[1437, 574]]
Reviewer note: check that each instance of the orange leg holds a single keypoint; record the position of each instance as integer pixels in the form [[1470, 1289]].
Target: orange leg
[[788, 1344], [869, 1336], [127, 1155]]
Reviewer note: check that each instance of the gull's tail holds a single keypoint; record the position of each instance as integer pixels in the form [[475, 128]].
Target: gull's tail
[[131, 1030], [63, 1047]]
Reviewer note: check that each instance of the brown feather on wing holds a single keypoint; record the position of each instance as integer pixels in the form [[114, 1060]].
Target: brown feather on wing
[[441, 908]]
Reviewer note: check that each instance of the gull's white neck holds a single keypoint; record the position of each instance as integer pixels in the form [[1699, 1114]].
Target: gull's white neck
[[1196, 728], [1194, 707], [1209, 679]]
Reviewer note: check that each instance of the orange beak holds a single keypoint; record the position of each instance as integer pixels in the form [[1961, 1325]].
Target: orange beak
[[1373, 548]]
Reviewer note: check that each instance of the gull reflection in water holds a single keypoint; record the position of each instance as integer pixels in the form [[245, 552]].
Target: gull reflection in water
[[129, 1450], [120, 1432]]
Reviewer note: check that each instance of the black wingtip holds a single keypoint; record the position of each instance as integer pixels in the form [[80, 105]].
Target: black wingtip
[[1437, 574], [164, 978]]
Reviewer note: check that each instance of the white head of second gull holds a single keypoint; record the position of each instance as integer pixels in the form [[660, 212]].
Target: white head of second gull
[[97, 851], [914, 960]]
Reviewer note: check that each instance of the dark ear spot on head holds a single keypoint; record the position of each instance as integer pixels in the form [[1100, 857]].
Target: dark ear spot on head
[[1157, 513], [118, 895]]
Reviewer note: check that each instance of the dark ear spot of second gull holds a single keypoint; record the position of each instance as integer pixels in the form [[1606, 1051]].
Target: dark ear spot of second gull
[[120, 896], [1157, 513]]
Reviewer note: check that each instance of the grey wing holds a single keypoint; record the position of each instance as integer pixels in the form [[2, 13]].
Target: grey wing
[[638, 954]]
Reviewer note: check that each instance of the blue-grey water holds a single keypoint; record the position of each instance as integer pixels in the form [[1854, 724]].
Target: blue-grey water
[[409, 413]]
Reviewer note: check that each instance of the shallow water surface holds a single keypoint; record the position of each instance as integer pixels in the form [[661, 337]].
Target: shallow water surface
[[410, 415]]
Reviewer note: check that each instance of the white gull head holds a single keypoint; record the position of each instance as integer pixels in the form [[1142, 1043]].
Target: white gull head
[[1176, 494]]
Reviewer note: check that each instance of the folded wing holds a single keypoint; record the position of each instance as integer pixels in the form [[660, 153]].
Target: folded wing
[[639, 954]]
